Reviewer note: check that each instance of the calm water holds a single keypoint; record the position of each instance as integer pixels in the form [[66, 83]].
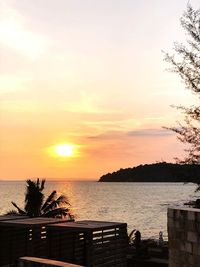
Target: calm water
[[142, 205]]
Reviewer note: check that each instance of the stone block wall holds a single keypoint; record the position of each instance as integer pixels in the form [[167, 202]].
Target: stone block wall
[[184, 237]]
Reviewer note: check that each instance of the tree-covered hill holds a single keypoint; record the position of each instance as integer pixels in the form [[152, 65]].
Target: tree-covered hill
[[157, 172]]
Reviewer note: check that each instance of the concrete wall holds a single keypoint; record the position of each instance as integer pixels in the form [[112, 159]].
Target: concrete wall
[[184, 237]]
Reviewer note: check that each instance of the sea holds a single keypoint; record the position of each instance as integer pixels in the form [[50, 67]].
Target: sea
[[143, 206]]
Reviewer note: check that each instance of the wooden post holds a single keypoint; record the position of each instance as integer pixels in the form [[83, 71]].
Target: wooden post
[[88, 249]]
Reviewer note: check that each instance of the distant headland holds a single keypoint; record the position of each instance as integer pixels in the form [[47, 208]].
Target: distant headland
[[156, 172]]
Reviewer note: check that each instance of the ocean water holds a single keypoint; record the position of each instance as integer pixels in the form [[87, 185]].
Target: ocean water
[[143, 206]]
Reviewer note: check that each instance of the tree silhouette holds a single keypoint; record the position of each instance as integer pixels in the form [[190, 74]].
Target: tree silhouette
[[186, 62], [36, 205]]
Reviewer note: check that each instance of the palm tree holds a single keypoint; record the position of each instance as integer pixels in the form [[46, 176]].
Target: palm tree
[[36, 205]]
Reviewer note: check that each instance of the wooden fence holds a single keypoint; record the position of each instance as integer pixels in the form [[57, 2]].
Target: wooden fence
[[89, 243], [86, 243], [23, 237]]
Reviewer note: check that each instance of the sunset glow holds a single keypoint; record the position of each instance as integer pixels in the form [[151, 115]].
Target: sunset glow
[[84, 87]]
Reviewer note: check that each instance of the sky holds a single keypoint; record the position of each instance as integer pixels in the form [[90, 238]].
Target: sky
[[90, 74]]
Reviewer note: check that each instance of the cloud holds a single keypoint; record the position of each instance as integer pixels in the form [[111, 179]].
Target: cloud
[[88, 103], [110, 135], [106, 136], [123, 125], [87, 108], [151, 132], [14, 33]]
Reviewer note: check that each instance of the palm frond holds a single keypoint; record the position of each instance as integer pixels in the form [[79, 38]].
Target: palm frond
[[57, 213], [33, 199], [49, 200], [42, 185], [20, 211], [62, 200], [12, 213], [50, 206], [56, 203], [38, 183]]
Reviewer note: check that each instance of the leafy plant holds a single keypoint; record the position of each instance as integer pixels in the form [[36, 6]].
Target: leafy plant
[[36, 205]]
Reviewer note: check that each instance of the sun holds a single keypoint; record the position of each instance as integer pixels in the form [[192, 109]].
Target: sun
[[64, 150]]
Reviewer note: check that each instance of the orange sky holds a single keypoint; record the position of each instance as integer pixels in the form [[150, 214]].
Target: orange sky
[[88, 73]]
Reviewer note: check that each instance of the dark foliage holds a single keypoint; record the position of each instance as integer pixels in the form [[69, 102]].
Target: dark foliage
[[35, 206], [186, 62], [158, 172]]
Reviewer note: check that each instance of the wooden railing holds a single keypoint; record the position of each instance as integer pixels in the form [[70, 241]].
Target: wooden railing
[[39, 262]]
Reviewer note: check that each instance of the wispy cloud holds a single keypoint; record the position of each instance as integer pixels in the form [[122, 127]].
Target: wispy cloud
[[106, 136], [111, 135], [123, 125], [151, 132], [88, 103], [87, 108]]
